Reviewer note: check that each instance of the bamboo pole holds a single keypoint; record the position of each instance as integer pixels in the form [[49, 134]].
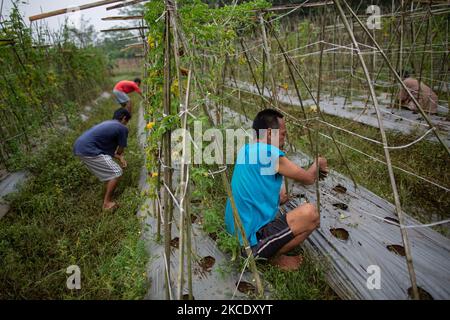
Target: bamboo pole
[[319, 81], [184, 175], [240, 228], [241, 106], [424, 115], [123, 18], [400, 52], [333, 59], [263, 85], [184, 184], [176, 47], [158, 192], [266, 47], [129, 38], [124, 29], [72, 9], [412, 27], [167, 154], [427, 34], [398, 208], [126, 4], [252, 72]]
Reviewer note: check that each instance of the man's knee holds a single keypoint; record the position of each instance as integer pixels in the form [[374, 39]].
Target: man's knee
[[312, 215], [304, 219]]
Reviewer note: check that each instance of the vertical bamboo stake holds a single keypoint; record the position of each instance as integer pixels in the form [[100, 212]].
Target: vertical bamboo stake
[[263, 85], [176, 47], [412, 34], [252, 72], [446, 72], [374, 57], [184, 184], [189, 245], [352, 71], [268, 60], [334, 55], [238, 224], [400, 53], [427, 34], [158, 190], [322, 34], [167, 154], [386, 153], [241, 105]]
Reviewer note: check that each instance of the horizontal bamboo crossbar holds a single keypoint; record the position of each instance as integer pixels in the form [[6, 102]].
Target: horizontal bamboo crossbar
[[122, 5], [72, 9], [123, 18], [124, 29]]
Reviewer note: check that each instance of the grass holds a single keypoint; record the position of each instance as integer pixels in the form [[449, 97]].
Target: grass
[[56, 221], [307, 283]]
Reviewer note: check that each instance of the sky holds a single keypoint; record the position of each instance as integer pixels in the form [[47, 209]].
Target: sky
[[32, 7]]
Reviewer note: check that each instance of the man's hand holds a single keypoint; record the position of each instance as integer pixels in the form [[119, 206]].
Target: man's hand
[[121, 158], [284, 197], [123, 163], [323, 166]]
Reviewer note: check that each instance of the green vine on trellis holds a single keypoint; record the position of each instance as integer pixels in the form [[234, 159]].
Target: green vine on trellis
[[211, 30]]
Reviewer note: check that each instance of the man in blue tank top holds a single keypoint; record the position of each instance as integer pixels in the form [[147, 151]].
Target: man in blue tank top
[[257, 191]]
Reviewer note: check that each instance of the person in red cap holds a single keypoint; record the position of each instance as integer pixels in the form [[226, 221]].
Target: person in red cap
[[123, 88]]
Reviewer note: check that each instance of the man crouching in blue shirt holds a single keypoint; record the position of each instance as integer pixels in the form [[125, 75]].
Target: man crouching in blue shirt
[[257, 191], [98, 146]]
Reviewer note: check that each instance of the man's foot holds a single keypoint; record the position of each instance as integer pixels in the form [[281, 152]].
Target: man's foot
[[287, 263], [110, 205]]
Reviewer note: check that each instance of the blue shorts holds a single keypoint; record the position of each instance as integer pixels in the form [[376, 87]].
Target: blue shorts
[[121, 97]]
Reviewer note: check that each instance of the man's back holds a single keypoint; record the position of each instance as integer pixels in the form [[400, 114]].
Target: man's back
[[103, 138], [255, 186], [427, 98], [127, 86]]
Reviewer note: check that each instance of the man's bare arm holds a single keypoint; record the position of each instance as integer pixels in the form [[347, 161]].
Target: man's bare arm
[[290, 170], [119, 152]]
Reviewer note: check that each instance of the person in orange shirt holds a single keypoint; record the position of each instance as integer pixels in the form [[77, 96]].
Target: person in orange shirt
[[123, 88]]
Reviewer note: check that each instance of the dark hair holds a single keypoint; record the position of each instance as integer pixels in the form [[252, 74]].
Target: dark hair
[[266, 119], [137, 80], [404, 74], [121, 113]]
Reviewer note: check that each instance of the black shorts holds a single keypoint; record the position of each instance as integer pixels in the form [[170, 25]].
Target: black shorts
[[272, 237]]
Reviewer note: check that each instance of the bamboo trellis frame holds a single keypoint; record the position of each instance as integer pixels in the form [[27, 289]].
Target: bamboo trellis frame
[[172, 29]]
